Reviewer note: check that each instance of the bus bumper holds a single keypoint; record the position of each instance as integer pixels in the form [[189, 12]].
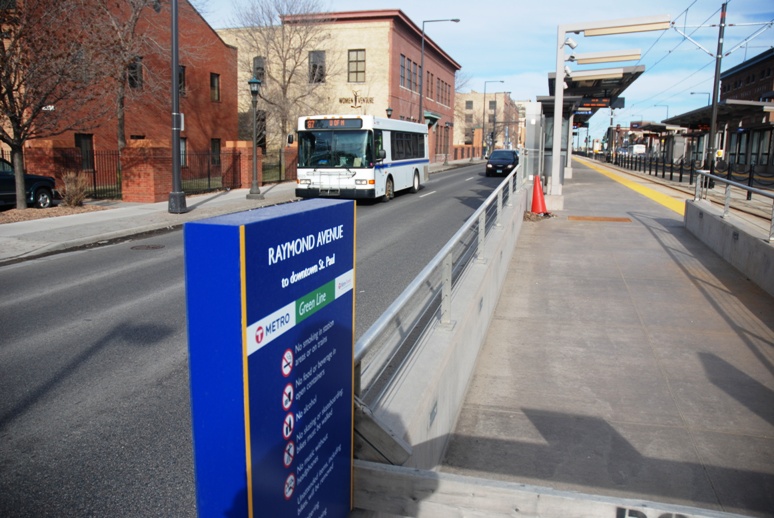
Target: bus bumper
[[355, 194]]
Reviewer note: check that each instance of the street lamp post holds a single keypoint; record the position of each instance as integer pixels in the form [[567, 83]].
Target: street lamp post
[[422, 66], [703, 93], [255, 189], [176, 204], [483, 118]]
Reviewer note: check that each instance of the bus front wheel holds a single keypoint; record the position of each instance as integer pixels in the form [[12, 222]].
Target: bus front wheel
[[415, 183], [389, 190]]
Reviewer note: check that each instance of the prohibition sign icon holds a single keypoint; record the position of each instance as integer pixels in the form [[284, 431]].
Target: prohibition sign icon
[[290, 454], [290, 486], [287, 396], [287, 426], [287, 363]]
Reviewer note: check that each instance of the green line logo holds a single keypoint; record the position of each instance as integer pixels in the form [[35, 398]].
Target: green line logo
[[313, 302]]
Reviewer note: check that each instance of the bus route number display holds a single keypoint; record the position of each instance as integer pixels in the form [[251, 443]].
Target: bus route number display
[[334, 123]]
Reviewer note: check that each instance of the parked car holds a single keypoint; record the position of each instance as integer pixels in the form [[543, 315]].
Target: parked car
[[41, 190], [502, 161]]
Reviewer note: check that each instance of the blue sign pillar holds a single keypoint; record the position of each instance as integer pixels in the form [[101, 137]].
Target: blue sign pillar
[[270, 297]]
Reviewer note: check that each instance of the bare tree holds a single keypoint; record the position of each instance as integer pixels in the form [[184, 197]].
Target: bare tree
[[51, 58], [288, 39]]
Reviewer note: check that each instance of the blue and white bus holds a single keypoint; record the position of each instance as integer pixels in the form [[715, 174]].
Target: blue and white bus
[[359, 156]]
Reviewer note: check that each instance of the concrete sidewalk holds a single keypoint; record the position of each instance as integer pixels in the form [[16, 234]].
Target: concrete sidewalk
[[624, 359], [29, 239]]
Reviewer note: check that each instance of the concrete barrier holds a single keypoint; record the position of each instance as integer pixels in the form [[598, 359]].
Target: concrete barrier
[[424, 401], [741, 244]]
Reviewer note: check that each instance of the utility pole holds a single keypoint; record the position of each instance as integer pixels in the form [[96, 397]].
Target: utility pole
[[715, 91]]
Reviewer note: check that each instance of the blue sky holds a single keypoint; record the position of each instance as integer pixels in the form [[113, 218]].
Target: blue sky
[[515, 41]]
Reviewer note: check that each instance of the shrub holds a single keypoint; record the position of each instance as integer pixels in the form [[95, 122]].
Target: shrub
[[76, 187]]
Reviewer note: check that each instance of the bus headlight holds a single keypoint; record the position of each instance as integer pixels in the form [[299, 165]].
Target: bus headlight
[[361, 182], [304, 182]]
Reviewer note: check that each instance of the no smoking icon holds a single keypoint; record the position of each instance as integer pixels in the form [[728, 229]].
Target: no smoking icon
[[287, 363]]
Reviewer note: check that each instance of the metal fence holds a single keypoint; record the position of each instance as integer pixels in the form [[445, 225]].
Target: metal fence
[[702, 190], [388, 343], [204, 172], [200, 172], [686, 170]]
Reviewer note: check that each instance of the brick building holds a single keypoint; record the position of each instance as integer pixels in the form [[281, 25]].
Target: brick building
[[500, 115], [368, 62], [208, 102]]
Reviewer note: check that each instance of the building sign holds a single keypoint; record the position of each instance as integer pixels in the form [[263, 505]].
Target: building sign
[[270, 297], [356, 101]]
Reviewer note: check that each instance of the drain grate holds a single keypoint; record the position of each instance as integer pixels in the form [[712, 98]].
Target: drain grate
[[599, 218], [147, 247]]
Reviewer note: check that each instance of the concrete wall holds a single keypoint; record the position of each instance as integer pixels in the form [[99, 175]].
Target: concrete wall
[[742, 245], [424, 402]]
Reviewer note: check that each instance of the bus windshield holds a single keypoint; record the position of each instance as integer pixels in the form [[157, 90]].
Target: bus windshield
[[346, 149]]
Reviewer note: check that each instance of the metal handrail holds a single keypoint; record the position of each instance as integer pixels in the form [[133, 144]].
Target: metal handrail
[[430, 291], [702, 189]]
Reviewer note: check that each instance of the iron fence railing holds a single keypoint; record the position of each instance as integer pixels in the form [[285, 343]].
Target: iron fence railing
[[205, 172], [702, 190], [389, 342], [756, 176]]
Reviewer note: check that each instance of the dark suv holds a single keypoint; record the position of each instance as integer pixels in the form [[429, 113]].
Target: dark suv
[[41, 190], [502, 161]]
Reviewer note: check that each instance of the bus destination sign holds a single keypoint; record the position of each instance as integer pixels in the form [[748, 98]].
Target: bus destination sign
[[334, 123]]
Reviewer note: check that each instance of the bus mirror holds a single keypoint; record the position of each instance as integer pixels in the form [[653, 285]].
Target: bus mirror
[[290, 139], [381, 154]]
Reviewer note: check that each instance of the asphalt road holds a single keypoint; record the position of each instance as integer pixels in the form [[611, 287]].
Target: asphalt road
[[94, 413]]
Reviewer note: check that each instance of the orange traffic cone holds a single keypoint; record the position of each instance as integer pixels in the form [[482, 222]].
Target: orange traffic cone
[[538, 201]]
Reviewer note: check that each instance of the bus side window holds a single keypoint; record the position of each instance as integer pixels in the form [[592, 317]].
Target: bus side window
[[378, 144]]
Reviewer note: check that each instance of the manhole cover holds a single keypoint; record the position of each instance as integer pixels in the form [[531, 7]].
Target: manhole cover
[[147, 247]]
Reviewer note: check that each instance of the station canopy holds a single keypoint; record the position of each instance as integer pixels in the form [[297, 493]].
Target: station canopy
[[729, 111], [604, 85]]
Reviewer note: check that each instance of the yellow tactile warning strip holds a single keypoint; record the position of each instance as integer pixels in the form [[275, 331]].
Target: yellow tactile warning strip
[[669, 202], [599, 218]]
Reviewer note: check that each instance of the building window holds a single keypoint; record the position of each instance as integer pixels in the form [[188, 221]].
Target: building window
[[215, 151], [357, 66], [7, 4], [468, 105], [259, 68], [402, 70], [469, 118], [414, 77], [134, 73], [317, 66], [215, 87], [85, 142], [492, 105], [181, 80], [429, 93]]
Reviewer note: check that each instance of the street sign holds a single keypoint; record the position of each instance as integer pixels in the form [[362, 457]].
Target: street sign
[[271, 358]]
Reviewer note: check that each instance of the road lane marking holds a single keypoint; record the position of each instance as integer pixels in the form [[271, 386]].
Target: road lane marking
[[428, 194]]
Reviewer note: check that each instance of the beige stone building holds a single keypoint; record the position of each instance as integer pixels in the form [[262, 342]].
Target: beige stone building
[[360, 62], [495, 114]]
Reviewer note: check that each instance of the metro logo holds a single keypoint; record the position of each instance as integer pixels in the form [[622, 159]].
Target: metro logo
[[262, 332]]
